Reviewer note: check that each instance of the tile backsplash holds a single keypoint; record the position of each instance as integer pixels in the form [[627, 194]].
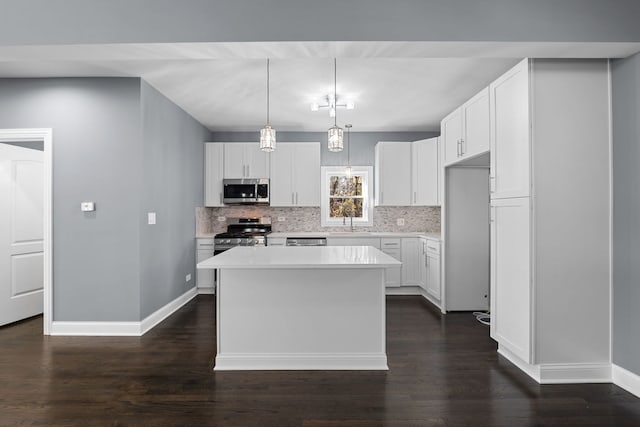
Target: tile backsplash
[[425, 219]]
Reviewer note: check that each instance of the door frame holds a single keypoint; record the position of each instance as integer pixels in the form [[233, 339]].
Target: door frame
[[46, 136]]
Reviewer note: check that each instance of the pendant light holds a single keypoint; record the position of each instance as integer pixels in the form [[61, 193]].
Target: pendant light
[[267, 133], [336, 142], [348, 126]]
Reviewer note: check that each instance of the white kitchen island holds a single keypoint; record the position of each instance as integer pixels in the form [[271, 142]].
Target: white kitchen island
[[300, 308]]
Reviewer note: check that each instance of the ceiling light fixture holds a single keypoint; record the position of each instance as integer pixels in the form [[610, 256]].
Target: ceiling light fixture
[[267, 133], [336, 141], [331, 102]]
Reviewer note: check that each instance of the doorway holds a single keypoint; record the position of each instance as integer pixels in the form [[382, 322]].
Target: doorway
[[28, 250]]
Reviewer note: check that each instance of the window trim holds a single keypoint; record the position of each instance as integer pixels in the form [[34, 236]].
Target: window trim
[[367, 190]]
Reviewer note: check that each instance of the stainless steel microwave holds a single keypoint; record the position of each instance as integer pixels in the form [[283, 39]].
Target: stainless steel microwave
[[246, 191]]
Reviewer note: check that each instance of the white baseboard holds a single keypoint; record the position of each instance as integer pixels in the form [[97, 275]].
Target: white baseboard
[[134, 329], [575, 373], [163, 312], [206, 291], [561, 373], [626, 379], [403, 290], [532, 370], [263, 362], [123, 329]]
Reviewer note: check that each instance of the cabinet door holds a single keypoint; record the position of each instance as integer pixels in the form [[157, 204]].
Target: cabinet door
[[307, 174], [282, 175], [234, 166], [423, 264], [256, 161], [205, 278], [425, 169], [451, 131], [213, 173], [410, 261], [510, 133], [354, 241], [433, 275], [476, 125], [510, 275], [393, 173]]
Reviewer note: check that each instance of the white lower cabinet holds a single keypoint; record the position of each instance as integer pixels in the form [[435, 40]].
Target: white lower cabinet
[[354, 241], [392, 247], [205, 278], [410, 257], [432, 258]]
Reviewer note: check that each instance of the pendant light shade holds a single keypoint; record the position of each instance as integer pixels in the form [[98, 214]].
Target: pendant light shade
[[267, 133], [335, 134], [336, 139]]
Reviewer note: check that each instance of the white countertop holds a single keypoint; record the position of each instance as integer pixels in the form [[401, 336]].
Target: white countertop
[[282, 235], [261, 257]]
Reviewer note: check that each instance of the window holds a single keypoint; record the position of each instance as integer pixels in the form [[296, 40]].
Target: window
[[347, 195]]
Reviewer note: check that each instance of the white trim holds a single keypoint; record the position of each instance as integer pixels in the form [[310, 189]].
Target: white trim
[[575, 373], [610, 210], [163, 312], [403, 290], [625, 379], [46, 136], [207, 291], [323, 361], [367, 189], [532, 370], [134, 329]]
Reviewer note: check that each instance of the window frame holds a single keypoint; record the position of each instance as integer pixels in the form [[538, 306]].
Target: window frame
[[367, 192]]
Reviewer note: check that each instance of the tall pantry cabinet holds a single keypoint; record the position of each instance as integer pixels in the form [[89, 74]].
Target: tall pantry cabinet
[[550, 218]]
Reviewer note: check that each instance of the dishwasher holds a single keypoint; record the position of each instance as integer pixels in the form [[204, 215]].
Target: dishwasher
[[306, 241]]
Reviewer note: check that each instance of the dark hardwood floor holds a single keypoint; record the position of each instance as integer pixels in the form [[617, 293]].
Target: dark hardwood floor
[[444, 370]]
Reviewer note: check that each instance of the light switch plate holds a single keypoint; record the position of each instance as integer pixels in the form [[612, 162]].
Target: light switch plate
[[151, 218], [188, 277], [222, 218], [400, 222], [87, 206]]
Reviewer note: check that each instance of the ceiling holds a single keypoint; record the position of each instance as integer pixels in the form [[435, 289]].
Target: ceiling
[[396, 86]]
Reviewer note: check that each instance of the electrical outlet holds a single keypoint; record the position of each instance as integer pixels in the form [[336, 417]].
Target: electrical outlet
[[400, 222], [281, 219], [188, 278], [222, 218], [151, 218]]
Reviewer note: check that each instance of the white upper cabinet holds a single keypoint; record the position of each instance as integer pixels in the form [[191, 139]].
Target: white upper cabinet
[[510, 134], [213, 174], [466, 131], [451, 131], [393, 173], [295, 174], [425, 172], [245, 160]]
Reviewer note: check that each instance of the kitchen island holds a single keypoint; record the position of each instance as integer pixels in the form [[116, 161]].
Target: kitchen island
[[300, 308]]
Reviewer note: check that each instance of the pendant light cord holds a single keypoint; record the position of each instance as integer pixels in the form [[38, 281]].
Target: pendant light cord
[[268, 92], [335, 89]]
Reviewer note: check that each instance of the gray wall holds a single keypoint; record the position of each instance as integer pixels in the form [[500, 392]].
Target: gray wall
[[117, 21], [362, 143], [173, 170], [626, 213], [96, 157]]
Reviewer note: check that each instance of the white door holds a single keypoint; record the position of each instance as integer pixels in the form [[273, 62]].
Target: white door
[[510, 135], [424, 171], [307, 175], [476, 125], [256, 160], [21, 233], [213, 174], [410, 261], [433, 275], [511, 275], [282, 163], [234, 165], [451, 129], [393, 173]]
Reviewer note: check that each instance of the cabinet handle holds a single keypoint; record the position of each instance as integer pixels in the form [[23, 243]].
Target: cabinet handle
[[492, 214], [414, 197], [220, 198], [458, 148], [296, 197], [292, 199], [462, 147], [492, 184], [248, 171], [381, 197]]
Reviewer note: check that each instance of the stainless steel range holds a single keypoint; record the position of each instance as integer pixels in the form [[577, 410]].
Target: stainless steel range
[[242, 232]]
